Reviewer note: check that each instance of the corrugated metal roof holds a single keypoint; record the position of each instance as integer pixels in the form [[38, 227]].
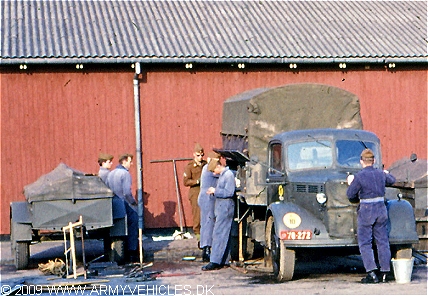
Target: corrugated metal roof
[[212, 31]]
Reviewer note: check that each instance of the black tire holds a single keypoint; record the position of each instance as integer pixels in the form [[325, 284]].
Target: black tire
[[283, 260], [12, 238], [248, 248], [22, 255], [248, 244], [20, 250], [116, 250], [107, 247], [268, 244]]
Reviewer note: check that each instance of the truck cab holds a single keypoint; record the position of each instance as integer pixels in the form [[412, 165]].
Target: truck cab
[[306, 184]]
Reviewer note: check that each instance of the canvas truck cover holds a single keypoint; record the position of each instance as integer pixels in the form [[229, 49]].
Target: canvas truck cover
[[252, 118], [66, 183]]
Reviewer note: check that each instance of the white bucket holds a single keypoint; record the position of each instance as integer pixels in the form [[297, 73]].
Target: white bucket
[[403, 270]]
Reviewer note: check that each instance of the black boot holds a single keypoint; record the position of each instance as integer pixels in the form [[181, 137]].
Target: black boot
[[211, 266], [206, 252], [384, 276], [371, 278]]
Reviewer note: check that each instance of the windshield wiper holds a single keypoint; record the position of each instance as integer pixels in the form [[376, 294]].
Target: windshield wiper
[[361, 142], [318, 141]]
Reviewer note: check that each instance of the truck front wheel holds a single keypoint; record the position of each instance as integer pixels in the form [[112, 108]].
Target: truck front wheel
[[282, 259]]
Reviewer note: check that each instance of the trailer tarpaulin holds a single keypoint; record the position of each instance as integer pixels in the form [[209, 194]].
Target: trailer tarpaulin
[[66, 183]]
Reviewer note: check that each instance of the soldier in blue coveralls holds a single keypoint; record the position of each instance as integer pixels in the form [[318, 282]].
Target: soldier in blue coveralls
[[224, 211], [368, 187], [120, 182], [206, 203]]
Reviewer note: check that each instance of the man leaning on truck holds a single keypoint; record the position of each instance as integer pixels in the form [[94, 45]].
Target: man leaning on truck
[[368, 187]]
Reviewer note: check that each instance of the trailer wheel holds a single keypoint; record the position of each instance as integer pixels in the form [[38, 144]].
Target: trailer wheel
[[283, 259], [116, 251], [22, 255], [20, 250]]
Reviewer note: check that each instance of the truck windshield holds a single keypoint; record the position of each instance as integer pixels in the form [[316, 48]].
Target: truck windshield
[[308, 155], [348, 152]]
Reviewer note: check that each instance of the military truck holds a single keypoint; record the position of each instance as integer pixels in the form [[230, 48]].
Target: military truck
[[292, 148], [60, 197]]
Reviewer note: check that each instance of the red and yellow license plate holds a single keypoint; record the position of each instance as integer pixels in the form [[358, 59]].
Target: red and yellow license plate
[[296, 235]]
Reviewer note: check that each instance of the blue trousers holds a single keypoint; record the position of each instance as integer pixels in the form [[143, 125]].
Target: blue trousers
[[132, 221], [206, 203], [220, 249], [372, 224]]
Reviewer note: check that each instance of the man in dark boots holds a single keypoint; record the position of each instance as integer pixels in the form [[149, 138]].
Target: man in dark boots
[[368, 188], [206, 202], [224, 194], [371, 278], [206, 252]]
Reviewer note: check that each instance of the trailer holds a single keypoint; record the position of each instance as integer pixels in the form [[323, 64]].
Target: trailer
[[62, 197], [292, 148]]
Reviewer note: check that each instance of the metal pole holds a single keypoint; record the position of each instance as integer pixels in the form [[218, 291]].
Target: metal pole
[[180, 213], [138, 158], [177, 189]]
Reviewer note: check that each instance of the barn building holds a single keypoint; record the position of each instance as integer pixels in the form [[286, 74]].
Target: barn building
[[150, 77]]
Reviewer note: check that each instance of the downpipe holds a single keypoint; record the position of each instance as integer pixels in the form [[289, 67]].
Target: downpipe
[[138, 158]]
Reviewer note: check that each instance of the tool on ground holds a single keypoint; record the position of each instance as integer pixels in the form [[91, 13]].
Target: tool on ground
[[138, 272], [72, 249], [177, 189], [238, 267]]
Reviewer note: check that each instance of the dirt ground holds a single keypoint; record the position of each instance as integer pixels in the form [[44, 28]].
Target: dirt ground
[[328, 276]]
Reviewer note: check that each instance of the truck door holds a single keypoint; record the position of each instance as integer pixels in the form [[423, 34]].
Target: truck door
[[276, 171]]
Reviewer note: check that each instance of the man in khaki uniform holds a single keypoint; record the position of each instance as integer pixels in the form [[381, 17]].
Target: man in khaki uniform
[[192, 179]]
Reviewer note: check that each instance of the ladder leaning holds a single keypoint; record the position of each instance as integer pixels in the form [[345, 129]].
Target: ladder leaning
[[72, 249]]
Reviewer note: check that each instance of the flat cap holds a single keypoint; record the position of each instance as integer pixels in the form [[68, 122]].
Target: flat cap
[[105, 156]]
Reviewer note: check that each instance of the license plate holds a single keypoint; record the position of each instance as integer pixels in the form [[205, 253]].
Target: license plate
[[296, 235]]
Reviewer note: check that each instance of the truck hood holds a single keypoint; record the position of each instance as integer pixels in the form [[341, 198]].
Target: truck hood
[[319, 176]]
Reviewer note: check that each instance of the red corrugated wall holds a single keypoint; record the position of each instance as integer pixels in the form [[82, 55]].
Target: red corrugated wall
[[49, 118]]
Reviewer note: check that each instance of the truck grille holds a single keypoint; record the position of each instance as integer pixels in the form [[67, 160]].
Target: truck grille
[[305, 188]]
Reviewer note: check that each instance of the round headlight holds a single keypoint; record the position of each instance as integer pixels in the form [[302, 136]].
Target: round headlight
[[321, 198]]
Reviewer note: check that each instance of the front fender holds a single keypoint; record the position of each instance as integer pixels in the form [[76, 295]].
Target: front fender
[[305, 220], [401, 222]]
